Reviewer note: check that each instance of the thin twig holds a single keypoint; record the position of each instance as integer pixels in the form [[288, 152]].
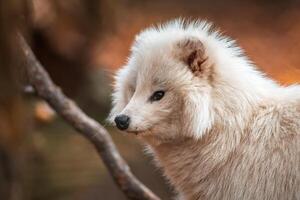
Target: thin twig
[[88, 127]]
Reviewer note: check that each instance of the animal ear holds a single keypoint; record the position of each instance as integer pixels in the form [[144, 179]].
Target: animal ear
[[191, 51]]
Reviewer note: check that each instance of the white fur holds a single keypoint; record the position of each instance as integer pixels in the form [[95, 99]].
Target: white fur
[[232, 133]]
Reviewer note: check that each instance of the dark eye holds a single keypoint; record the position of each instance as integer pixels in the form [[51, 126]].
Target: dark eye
[[158, 95]]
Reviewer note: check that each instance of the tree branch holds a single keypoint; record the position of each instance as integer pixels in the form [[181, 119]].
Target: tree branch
[[88, 127]]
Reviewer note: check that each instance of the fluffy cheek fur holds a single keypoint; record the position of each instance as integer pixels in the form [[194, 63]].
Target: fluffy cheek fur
[[197, 116], [190, 117], [187, 115], [169, 123]]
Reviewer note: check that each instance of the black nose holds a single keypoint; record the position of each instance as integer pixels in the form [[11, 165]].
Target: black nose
[[122, 122]]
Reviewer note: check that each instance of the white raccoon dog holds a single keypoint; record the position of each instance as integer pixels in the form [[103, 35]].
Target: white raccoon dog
[[217, 127]]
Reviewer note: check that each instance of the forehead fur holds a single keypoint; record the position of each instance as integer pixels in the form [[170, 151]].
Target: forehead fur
[[162, 36], [151, 54], [170, 32]]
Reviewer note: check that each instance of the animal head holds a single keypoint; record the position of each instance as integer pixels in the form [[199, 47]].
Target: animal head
[[167, 88]]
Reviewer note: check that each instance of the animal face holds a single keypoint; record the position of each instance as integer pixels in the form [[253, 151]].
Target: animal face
[[164, 89], [147, 101]]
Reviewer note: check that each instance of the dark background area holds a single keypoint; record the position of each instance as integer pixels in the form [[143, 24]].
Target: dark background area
[[82, 43]]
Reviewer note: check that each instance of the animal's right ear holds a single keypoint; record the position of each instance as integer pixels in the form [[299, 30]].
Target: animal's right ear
[[191, 51]]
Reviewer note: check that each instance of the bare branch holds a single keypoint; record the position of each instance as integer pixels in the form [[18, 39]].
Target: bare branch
[[88, 127]]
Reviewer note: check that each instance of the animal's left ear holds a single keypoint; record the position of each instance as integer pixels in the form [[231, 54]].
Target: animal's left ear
[[191, 51]]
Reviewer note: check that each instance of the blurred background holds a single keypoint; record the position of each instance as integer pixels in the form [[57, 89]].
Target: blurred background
[[81, 43]]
